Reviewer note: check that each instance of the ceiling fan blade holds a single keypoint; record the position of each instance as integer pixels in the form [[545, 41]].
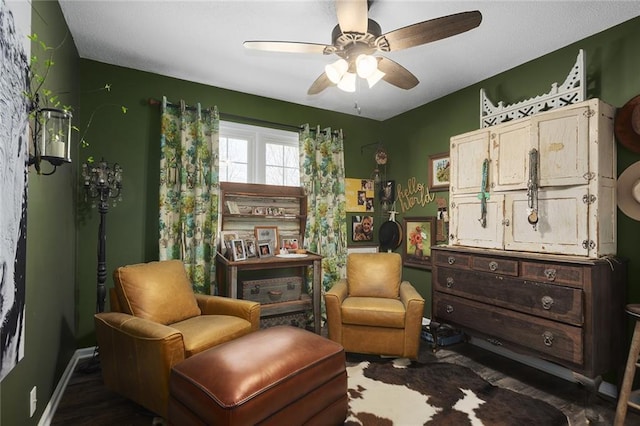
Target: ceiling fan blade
[[353, 15], [320, 84], [396, 74], [428, 31], [287, 46]]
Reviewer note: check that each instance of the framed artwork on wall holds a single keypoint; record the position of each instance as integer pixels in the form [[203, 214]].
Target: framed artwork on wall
[[439, 168], [420, 236]]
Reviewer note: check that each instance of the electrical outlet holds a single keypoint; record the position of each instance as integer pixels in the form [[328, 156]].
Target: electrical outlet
[[32, 402]]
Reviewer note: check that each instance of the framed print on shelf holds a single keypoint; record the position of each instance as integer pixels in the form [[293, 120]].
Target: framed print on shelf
[[225, 241], [420, 233], [239, 250], [268, 233], [290, 244], [250, 246], [265, 248], [439, 172]]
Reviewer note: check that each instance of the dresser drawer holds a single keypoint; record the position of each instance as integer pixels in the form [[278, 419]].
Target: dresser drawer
[[544, 300], [553, 273], [446, 258], [548, 338], [495, 265]]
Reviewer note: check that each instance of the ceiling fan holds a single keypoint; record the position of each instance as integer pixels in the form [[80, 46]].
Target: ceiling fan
[[356, 38]]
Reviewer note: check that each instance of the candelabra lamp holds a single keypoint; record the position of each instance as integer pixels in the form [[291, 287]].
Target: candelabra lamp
[[103, 184]]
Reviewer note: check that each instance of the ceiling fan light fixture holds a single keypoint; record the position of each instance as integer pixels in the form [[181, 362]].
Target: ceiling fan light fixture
[[366, 65], [375, 77], [336, 70], [348, 82]]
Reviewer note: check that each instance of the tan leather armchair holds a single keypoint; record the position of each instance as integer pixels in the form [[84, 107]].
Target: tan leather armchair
[[373, 311], [156, 321]]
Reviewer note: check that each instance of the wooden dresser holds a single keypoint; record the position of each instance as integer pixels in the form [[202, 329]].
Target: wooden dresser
[[563, 309]]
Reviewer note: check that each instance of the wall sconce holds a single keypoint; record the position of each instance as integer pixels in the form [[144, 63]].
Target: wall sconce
[[102, 182], [51, 138]]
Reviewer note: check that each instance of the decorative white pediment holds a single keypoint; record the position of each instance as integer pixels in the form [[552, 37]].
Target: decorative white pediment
[[572, 91]]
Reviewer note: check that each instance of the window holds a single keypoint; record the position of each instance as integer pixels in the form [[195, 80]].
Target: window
[[254, 154]]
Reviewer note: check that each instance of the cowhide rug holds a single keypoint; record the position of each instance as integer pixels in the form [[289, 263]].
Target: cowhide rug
[[400, 392]]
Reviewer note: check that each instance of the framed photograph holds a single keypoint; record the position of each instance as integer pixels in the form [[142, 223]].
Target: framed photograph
[[265, 249], [251, 247], [290, 244], [420, 235], [439, 170], [362, 227], [239, 250], [232, 206], [268, 233], [225, 241], [387, 192]]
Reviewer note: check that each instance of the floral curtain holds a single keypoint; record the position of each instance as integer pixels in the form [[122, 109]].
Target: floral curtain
[[322, 176], [189, 190]]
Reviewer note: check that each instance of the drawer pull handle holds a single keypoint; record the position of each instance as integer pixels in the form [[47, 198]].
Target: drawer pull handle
[[547, 338], [493, 266], [550, 274], [494, 342], [449, 282], [291, 286], [547, 302], [449, 309], [255, 289], [451, 260]]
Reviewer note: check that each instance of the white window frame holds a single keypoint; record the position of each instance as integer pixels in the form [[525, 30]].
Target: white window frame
[[257, 137]]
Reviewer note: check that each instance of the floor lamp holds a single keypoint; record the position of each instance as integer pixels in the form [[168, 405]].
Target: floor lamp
[[102, 182]]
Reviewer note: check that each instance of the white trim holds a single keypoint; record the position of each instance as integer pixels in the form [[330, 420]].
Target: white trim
[[605, 388], [52, 406]]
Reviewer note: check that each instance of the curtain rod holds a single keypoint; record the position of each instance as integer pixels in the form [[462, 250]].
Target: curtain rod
[[240, 118], [233, 117]]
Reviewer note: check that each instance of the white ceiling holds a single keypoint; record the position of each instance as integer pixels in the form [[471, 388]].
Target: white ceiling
[[201, 41]]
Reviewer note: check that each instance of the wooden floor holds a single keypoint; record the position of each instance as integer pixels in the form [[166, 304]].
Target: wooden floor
[[87, 402]]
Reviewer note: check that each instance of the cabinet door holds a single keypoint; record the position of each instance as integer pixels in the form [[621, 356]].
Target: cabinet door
[[510, 145], [562, 222], [561, 138], [466, 229], [468, 152]]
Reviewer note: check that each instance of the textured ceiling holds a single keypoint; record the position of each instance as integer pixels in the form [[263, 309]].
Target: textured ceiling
[[201, 41]]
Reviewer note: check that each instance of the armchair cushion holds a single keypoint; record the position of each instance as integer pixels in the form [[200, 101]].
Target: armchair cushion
[[374, 274], [157, 291]]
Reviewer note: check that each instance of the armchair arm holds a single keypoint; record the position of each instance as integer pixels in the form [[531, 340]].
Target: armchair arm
[[218, 305], [414, 306], [136, 356], [333, 302]]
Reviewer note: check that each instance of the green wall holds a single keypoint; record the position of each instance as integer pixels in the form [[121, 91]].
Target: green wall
[[62, 239]]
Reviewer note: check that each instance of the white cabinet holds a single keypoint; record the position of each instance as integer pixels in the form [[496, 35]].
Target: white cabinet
[[575, 172]]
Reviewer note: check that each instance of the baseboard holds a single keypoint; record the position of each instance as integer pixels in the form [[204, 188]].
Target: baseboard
[[52, 406], [606, 388]]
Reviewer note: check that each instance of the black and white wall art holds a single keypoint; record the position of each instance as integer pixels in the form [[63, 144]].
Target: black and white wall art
[[15, 24]]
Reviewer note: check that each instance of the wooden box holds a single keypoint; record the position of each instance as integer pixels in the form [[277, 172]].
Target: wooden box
[[274, 290]]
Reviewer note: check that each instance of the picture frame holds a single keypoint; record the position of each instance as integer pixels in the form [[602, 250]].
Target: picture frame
[[259, 211], [265, 248], [290, 244], [269, 233], [251, 248], [226, 237], [387, 191], [420, 234], [439, 172], [239, 250], [362, 228]]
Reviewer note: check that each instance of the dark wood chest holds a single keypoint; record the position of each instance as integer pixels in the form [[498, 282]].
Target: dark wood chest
[[564, 309]]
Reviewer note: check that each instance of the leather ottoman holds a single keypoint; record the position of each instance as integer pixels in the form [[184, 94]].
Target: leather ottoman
[[277, 376]]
